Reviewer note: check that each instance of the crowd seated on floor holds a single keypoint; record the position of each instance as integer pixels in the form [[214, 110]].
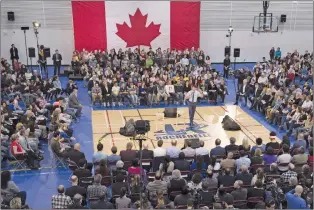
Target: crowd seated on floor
[[260, 176], [33, 112], [173, 178]]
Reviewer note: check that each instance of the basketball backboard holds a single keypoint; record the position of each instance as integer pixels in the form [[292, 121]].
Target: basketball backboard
[[265, 23]]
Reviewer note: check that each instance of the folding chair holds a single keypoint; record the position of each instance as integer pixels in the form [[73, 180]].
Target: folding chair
[[56, 161], [86, 181], [19, 163], [106, 180], [240, 204], [147, 164], [72, 167], [185, 175]]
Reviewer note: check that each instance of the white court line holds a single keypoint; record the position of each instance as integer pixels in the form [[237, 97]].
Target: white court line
[[106, 119], [123, 121]]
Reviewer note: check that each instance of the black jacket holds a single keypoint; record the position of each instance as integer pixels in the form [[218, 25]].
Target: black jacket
[[102, 205], [82, 172], [146, 154], [16, 53], [182, 165], [226, 180], [75, 156], [71, 191], [54, 58], [246, 178]]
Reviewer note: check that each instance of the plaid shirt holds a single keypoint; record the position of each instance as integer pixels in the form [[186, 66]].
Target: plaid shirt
[[287, 175], [96, 190], [60, 201]]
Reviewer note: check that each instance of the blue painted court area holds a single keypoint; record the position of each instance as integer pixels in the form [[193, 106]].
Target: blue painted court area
[[41, 185]]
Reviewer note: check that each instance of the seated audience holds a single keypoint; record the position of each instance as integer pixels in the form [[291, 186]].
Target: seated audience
[[9, 189], [60, 201], [103, 170], [239, 193], [242, 161], [244, 175], [188, 150], [227, 179], [75, 189], [294, 199], [128, 154], [99, 155], [181, 200], [259, 145], [123, 202], [269, 157], [146, 153], [232, 147], [77, 202], [173, 151], [82, 171], [96, 189], [182, 164], [218, 150], [159, 151]]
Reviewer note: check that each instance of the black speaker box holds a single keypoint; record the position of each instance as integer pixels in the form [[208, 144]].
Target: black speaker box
[[283, 18], [11, 16], [47, 52], [229, 124], [227, 51], [195, 143], [236, 52], [31, 52], [170, 112]]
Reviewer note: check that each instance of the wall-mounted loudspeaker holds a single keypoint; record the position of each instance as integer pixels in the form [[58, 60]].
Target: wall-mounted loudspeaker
[[31, 52], [227, 50], [47, 52], [283, 18], [11, 16], [236, 52]]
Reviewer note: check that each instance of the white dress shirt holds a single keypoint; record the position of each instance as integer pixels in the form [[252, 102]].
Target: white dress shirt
[[194, 95], [159, 152], [173, 152], [201, 151]]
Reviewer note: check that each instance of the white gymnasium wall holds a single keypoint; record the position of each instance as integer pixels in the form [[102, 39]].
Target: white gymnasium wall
[[56, 29], [217, 16]]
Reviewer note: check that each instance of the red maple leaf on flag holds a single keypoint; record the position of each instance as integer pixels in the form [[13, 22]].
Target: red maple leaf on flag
[[138, 34]]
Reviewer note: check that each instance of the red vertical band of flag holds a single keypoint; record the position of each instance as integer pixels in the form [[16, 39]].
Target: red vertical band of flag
[[89, 22], [184, 24]]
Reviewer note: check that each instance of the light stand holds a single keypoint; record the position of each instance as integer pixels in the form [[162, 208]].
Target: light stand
[[25, 29], [36, 34]]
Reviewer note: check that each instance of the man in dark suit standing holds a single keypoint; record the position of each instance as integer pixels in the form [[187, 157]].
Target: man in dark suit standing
[[57, 58], [226, 66], [14, 54], [74, 103], [244, 91]]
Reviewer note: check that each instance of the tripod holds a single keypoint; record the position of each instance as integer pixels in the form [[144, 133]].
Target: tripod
[[140, 138], [26, 47]]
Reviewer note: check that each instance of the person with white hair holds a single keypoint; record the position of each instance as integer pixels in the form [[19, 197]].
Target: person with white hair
[[294, 199]]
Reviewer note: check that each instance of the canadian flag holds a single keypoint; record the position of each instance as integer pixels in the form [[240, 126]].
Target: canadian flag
[[124, 24]]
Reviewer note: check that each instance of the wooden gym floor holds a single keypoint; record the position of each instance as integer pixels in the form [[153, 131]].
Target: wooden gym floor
[[107, 123]]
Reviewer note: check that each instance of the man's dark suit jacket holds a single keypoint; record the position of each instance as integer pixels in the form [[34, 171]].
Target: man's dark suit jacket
[[226, 180], [54, 58], [16, 53], [257, 92], [146, 154], [71, 191], [246, 178], [75, 155], [231, 148], [182, 165], [102, 205], [82, 172], [128, 155]]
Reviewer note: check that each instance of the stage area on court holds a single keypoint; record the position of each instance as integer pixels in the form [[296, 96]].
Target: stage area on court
[[106, 125]]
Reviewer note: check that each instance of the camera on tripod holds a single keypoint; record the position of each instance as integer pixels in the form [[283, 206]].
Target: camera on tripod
[[142, 126]]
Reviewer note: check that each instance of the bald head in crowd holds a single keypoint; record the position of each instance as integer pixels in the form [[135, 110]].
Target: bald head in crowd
[[77, 147], [298, 190], [145, 146], [174, 143], [217, 142]]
